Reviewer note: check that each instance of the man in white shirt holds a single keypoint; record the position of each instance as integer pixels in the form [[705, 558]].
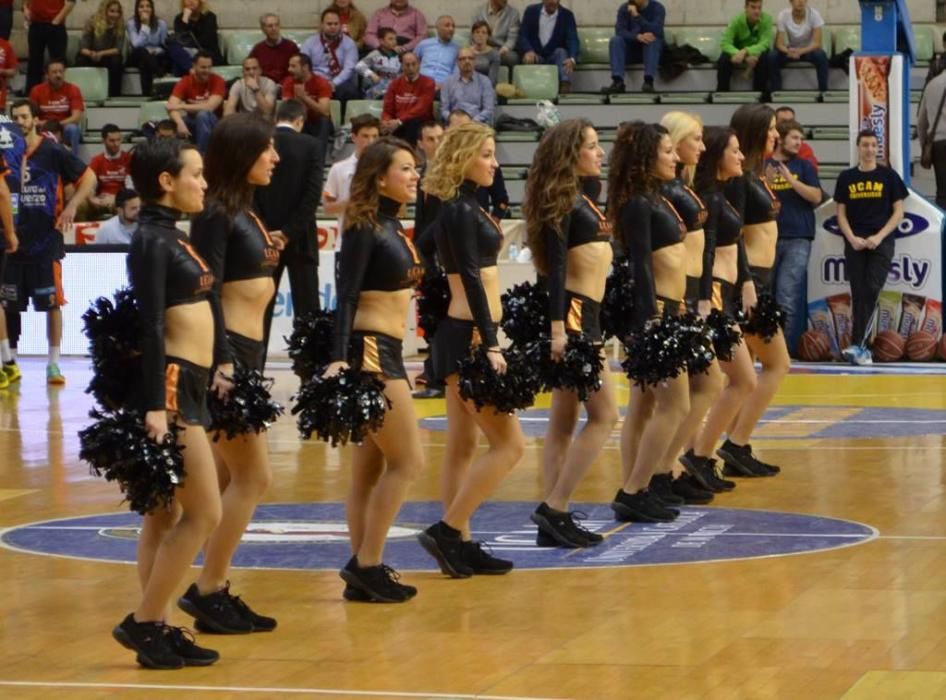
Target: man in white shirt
[[798, 38], [254, 92], [120, 228], [365, 130]]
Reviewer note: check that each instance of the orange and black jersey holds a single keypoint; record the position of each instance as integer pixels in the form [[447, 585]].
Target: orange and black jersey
[[723, 228], [752, 195], [687, 203]]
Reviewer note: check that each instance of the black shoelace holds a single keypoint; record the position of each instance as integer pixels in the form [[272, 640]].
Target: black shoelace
[[181, 637]]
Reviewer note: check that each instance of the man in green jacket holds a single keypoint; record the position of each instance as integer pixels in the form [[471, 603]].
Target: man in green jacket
[[745, 44]]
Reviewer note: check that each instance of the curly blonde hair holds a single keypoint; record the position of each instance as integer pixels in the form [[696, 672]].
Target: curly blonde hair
[[365, 200], [98, 23], [448, 168], [681, 125], [553, 184]]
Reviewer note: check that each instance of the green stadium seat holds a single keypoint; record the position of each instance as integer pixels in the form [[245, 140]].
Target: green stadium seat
[[239, 44], [827, 45], [594, 44], [925, 41], [152, 112], [536, 82], [847, 38], [355, 108], [298, 35], [736, 97], [93, 82], [73, 39], [335, 108], [634, 98], [228, 73], [504, 75], [794, 96], [703, 39]]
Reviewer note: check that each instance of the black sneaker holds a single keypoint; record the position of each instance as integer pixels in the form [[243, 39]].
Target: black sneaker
[[557, 526], [689, 489], [482, 561], [640, 508], [661, 485], [655, 499], [151, 641], [356, 595], [740, 461], [616, 87], [186, 647], [703, 470], [378, 583], [214, 612], [260, 623], [446, 549], [591, 537]]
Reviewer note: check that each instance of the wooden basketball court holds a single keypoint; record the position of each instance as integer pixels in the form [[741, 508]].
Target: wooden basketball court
[[857, 615]]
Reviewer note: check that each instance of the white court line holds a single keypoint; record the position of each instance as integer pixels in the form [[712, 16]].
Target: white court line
[[282, 691]]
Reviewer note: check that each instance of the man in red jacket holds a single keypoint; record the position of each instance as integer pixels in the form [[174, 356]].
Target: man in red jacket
[[111, 168], [409, 101]]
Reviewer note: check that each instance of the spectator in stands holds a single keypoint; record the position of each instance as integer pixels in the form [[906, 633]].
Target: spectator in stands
[[381, 66], [365, 130], [8, 65], [120, 228], [409, 101], [431, 134], [438, 54], [495, 198], [274, 51], [469, 91], [796, 184], [196, 101], [353, 22], [334, 56], [111, 168], [787, 114], [60, 101], [254, 92], [638, 38], [486, 55], [47, 31], [195, 29], [103, 40], [549, 35], [745, 44], [409, 23], [931, 112], [798, 38], [148, 37], [504, 22], [6, 23], [165, 129], [312, 90]]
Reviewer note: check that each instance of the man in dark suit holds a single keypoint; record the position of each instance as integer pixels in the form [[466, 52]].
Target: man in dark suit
[[288, 205], [549, 34]]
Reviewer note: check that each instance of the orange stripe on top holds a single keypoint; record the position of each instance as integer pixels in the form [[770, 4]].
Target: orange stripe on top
[[593, 206], [172, 374], [262, 228], [193, 253]]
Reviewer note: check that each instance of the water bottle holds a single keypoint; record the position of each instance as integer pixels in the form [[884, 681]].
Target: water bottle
[[513, 252]]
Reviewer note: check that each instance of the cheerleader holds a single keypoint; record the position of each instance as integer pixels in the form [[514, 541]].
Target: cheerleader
[[652, 235], [570, 240], [377, 270], [242, 255], [468, 244], [727, 283], [755, 128], [172, 286]]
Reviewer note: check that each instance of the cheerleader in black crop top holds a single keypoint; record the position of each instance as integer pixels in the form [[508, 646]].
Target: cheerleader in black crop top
[[375, 275], [171, 283], [468, 244], [573, 251], [242, 255]]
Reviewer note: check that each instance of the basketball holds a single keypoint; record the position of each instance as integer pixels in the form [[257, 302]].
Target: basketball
[[921, 346], [941, 348], [814, 346], [888, 346]]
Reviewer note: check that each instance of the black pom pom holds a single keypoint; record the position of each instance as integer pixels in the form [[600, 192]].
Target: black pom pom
[[248, 408], [657, 352], [117, 447], [618, 304], [766, 319], [698, 339], [525, 313], [726, 335], [342, 408], [579, 370], [114, 332], [433, 300], [310, 345], [505, 393]]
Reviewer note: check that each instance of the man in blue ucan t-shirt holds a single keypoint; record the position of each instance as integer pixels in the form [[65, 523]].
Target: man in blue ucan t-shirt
[[795, 182]]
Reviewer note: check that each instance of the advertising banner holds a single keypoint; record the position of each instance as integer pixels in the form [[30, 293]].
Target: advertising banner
[[876, 103]]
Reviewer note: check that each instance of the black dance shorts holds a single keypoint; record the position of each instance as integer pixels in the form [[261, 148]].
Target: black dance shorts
[[669, 307], [185, 386], [455, 338], [692, 296], [725, 297], [762, 276], [377, 353], [583, 315], [247, 353]]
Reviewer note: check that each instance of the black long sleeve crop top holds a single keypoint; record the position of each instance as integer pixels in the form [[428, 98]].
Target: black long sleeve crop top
[[723, 228], [165, 271], [236, 248], [751, 195], [649, 223], [584, 224], [467, 241], [687, 203], [381, 259]]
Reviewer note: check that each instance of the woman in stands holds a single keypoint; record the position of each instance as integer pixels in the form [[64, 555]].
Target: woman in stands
[[755, 128], [195, 28], [727, 284], [652, 235], [468, 244], [148, 37], [570, 241], [102, 42], [242, 255], [377, 270], [172, 286]]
